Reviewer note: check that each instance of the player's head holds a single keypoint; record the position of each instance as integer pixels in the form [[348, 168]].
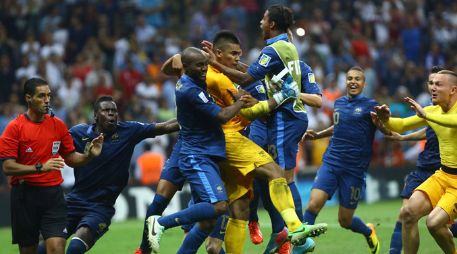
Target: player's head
[[276, 20], [105, 114], [355, 81], [444, 88], [195, 63], [435, 69], [226, 47], [37, 95]]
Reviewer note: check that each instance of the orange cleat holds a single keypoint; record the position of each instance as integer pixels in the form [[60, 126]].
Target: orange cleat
[[255, 233], [139, 251]]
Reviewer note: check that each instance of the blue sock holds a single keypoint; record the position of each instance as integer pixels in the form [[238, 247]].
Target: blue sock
[[194, 213], [277, 223], [297, 200], [222, 251], [309, 217], [76, 247], [359, 227], [395, 241], [41, 248], [157, 206], [453, 229], [254, 202], [194, 239], [218, 231]]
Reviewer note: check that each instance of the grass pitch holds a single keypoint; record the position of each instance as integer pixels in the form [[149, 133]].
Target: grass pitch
[[124, 237]]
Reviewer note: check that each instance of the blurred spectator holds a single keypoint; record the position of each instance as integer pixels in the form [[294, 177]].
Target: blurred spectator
[[149, 166], [70, 91], [7, 78], [129, 79], [149, 93], [26, 70], [96, 73]]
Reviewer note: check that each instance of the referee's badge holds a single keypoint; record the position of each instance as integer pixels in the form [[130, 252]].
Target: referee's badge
[[55, 147]]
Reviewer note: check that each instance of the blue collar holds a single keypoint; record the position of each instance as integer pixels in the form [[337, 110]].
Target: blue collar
[[281, 37], [199, 83], [354, 97]]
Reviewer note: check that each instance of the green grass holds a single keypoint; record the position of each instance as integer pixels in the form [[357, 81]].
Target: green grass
[[123, 237]]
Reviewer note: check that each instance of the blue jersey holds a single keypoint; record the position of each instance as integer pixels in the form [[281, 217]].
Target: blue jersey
[[257, 90], [201, 133], [308, 80], [353, 133], [103, 178], [269, 62], [429, 159]]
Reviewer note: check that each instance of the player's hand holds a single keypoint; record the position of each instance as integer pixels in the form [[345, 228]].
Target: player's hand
[[394, 136], [309, 135], [382, 112], [249, 100], [53, 164], [208, 50], [236, 95], [420, 112], [95, 146]]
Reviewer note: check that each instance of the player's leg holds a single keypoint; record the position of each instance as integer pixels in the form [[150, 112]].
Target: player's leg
[[216, 237], [257, 133], [54, 219], [236, 226], [445, 211], [208, 193], [421, 203], [395, 240], [437, 222]]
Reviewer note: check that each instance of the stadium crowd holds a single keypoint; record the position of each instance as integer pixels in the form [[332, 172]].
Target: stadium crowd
[[116, 47]]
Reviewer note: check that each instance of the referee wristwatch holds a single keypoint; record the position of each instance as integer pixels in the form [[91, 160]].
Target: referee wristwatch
[[38, 167]]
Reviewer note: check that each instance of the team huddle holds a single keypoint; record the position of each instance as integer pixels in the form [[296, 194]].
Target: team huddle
[[239, 128]]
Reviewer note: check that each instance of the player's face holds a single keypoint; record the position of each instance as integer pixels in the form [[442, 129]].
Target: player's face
[[229, 55], [265, 25], [441, 89], [106, 117], [198, 67], [41, 99], [430, 82], [355, 82]]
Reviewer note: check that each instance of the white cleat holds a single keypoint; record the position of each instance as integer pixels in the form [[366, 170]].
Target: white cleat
[[155, 231]]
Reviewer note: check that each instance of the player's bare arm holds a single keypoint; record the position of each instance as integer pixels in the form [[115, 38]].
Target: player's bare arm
[[313, 135], [169, 126], [94, 149], [173, 66], [312, 100]]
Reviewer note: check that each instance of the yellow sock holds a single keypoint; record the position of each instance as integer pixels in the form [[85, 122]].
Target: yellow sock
[[281, 197], [235, 236]]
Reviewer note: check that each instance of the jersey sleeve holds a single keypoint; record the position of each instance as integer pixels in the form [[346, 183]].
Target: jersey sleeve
[[401, 125], [9, 142], [202, 102], [67, 146], [308, 80], [142, 130], [266, 62]]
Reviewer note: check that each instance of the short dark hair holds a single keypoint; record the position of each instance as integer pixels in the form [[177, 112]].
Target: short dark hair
[[101, 99], [356, 68], [31, 84], [282, 16], [436, 69], [450, 73], [224, 37]]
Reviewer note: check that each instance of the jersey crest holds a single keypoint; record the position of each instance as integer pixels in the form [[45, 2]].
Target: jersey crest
[[264, 60]]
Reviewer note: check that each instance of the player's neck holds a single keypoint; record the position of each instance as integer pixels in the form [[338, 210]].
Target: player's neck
[[446, 107], [34, 116]]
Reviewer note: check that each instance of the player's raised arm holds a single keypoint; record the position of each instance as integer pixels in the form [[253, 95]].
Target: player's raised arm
[[312, 100], [173, 66]]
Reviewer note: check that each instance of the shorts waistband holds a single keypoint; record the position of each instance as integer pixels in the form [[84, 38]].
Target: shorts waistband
[[452, 171]]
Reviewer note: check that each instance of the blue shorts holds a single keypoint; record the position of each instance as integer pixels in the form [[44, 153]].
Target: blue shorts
[[413, 180], [204, 178], [95, 216], [350, 186], [258, 133], [170, 171], [284, 133]]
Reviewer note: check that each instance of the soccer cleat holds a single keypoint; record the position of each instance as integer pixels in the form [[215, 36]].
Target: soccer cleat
[[139, 251], [285, 248], [255, 233], [308, 246], [372, 240], [155, 231], [280, 240], [299, 236]]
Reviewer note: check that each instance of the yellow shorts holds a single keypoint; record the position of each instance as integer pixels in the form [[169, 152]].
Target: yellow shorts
[[243, 156], [441, 189]]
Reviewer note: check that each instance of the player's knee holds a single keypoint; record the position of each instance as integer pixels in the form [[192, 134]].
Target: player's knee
[[433, 224], [407, 215], [221, 207], [345, 221]]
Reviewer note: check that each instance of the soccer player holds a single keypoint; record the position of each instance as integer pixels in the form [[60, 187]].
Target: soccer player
[[278, 60], [427, 163], [437, 195], [34, 147], [347, 157], [99, 183], [202, 147]]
